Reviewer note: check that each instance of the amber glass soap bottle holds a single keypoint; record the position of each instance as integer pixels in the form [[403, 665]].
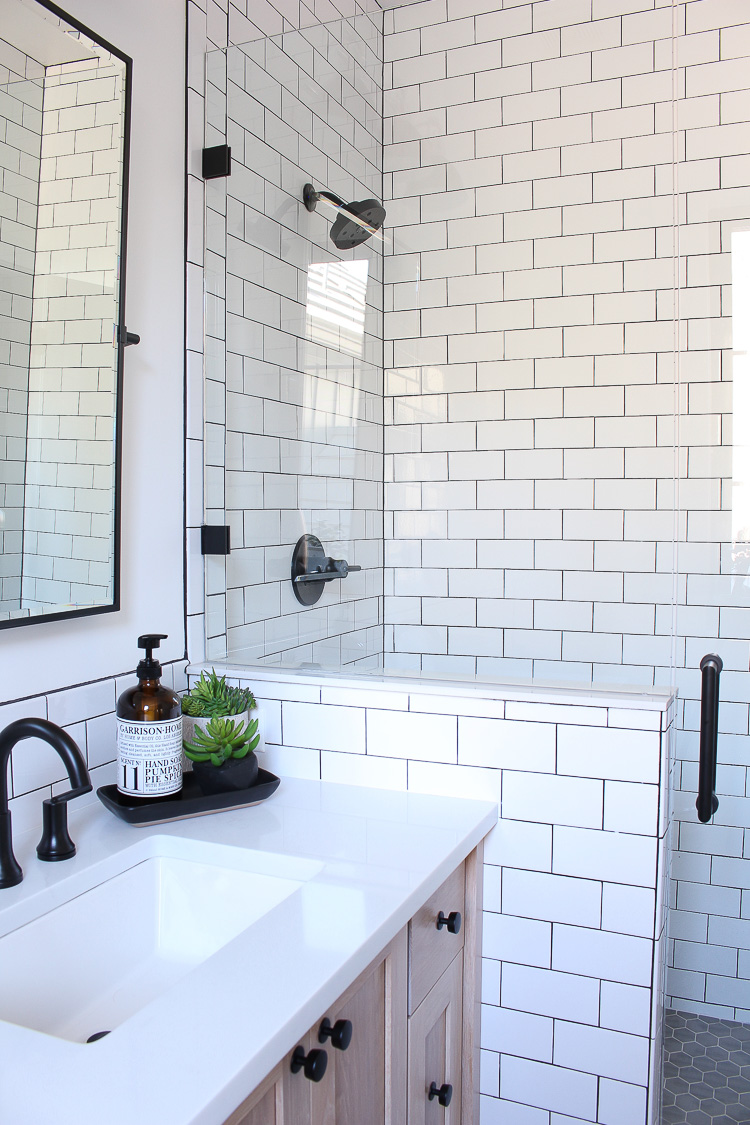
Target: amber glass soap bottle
[[149, 733]]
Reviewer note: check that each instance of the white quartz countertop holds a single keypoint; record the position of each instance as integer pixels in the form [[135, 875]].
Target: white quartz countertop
[[194, 1053]]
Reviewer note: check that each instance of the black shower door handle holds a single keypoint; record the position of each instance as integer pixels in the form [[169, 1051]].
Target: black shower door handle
[[707, 802]]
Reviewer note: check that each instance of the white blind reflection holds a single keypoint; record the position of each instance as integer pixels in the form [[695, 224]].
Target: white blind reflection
[[336, 305], [741, 402]]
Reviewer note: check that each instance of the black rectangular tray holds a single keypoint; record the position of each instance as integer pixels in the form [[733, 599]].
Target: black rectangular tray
[[188, 802]]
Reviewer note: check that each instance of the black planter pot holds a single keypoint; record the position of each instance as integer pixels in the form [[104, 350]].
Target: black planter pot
[[235, 774]]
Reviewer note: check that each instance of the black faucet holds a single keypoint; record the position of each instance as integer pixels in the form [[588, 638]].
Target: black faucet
[[55, 842]]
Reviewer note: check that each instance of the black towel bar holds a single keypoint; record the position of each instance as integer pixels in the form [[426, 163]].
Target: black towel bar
[[707, 802]]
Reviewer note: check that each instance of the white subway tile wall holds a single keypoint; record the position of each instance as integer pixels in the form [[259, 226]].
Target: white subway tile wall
[[20, 137], [574, 925], [70, 444], [537, 157]]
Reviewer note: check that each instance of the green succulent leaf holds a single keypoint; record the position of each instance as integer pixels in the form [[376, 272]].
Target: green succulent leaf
[[222, 739], [191, 706], [211, 696]]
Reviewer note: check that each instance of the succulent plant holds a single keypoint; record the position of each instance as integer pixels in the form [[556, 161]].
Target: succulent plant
[[210, 695], [223, 739]]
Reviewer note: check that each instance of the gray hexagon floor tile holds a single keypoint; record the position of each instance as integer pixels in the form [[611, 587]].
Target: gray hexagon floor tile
[[706, 1071]]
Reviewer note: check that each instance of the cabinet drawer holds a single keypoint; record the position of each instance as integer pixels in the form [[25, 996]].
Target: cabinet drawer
[[431, 950]]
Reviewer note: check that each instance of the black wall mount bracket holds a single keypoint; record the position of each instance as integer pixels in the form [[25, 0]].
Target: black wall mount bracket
[[312, 568], [215, 539], [216, 162]]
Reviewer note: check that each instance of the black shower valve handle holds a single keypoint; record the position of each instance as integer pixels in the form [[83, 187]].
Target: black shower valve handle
[[327, 571]]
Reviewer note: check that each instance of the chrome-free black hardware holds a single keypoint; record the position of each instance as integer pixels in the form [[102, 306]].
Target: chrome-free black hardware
[[707, 802], [55, 842], [314, 1063], [216, 162], [443, 1094], [215, 539], [355, 222], [97, 1036], [340, 1033], [312, 568], [452, 922], [126, 338]]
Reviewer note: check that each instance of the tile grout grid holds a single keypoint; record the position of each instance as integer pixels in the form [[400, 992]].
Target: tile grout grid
[[706, 1071]]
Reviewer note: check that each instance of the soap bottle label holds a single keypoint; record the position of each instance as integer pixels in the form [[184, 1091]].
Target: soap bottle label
[[149, 757]]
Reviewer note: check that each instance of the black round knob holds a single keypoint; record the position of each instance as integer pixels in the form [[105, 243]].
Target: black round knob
[[453, 921], [314, 1063], [443, 1093], [339, 1033]]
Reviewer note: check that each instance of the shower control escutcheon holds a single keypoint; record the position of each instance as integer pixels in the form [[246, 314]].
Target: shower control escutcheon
[[312, 568]]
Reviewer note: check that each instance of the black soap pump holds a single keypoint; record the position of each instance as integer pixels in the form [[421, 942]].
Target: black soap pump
[[149, 732]]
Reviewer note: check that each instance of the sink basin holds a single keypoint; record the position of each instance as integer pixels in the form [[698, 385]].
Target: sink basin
[[147, 917]]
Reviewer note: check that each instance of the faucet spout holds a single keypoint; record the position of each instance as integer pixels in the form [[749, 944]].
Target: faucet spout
[[55, 842]]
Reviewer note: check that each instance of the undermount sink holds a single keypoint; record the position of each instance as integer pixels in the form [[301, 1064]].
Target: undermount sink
[[147, 917]]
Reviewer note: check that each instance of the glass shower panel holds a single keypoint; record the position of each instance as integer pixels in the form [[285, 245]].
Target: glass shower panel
[[303, 425]]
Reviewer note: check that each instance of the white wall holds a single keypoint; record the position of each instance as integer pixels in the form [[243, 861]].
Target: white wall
[[45, 657]]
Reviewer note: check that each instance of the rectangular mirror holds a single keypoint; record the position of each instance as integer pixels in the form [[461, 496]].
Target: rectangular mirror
[[64, 131]]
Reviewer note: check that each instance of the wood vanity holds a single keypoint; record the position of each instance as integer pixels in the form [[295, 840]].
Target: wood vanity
[[348, 902], [414, 1015]]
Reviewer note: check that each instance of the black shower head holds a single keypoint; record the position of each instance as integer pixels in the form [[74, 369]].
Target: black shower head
[[355, 222]]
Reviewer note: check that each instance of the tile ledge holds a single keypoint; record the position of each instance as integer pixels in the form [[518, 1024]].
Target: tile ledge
[[624, 696]]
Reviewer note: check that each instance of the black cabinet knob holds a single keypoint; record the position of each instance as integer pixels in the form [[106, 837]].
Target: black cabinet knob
[[314, 1063], [443, 1093], [453, 921], [340, 1033]]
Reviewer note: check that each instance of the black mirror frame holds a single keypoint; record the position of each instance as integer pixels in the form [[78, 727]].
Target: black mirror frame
[[121, 331]]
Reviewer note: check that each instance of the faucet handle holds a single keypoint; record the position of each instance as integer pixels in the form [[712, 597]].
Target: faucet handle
[[56, 842]]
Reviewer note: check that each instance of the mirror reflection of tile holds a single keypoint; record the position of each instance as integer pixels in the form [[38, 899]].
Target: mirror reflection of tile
[[62, 124]]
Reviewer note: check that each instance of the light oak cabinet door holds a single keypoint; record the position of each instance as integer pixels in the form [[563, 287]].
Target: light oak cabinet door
[[365, 1084], [435, 1051], [265, 1106]]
